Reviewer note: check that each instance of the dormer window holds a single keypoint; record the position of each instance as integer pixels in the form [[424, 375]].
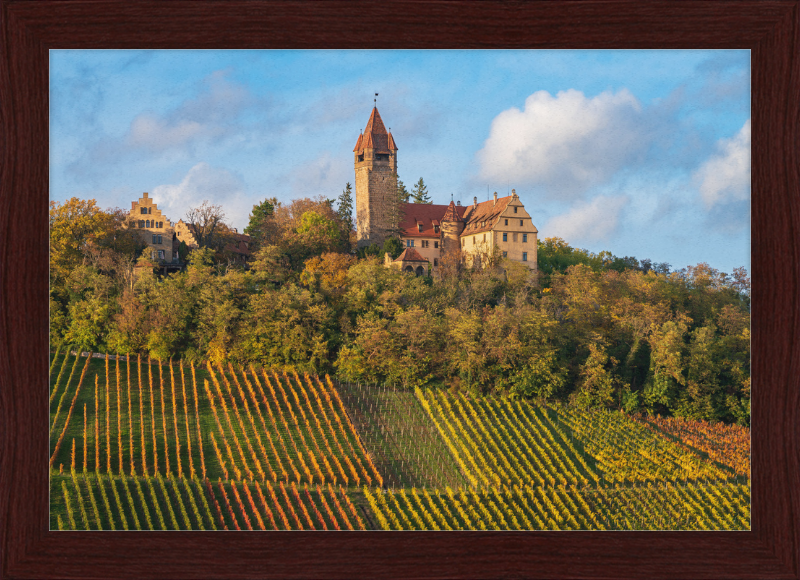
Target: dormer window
[[419, 227], [435, 229]]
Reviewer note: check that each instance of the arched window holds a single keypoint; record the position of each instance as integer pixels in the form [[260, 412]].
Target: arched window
[[420, 270], [147, 223], [409, 269]]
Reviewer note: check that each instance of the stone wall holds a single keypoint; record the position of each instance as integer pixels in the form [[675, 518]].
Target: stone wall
[[376, 197]]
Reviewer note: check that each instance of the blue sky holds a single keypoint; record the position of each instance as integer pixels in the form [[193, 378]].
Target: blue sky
[[641, 153]]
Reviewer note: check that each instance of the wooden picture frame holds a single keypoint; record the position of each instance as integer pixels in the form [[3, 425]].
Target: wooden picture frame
[[770, 29]]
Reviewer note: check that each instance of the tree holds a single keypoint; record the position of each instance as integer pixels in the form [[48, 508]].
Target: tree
[[206, 221], [73, 225], [345, 208], [402, 193], [261, 226], [420, 193]]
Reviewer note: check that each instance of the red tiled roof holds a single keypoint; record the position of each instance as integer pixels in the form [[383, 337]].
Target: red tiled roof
[[240, 244], [428, 215], [375, 136], [486, 211], [410, 255]]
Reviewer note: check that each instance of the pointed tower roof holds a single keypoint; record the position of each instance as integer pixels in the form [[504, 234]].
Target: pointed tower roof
[[451, 214], [375, 136]]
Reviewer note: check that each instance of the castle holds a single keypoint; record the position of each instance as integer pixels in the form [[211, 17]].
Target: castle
[[163, 237], [428, 231]]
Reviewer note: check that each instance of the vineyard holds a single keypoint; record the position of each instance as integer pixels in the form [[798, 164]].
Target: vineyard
[[139, 444]]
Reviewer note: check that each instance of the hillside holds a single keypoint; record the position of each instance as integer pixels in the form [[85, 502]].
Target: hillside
[[138, 444]]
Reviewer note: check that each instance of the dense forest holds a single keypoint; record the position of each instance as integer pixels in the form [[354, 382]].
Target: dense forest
[[593, 329]]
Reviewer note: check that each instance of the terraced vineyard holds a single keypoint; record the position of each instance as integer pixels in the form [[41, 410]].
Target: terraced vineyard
[[144, 445]]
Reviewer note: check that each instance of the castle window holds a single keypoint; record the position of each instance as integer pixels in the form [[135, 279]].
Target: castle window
[[147, 223], [524, 256], [435, 244], [159, 238], [506, 222], [520, 222], [505, 254], [515, 209], [435, 262], [505, 236], [154, 239], [361, 157], [141, 223], [435, 229], [419, 227], [409, 243], [178, 234], [143, 210], [161, 254], [524, 238]]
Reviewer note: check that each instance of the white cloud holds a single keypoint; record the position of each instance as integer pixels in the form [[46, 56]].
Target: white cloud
[[210, 115], [156, 134], [565, 143], [587, 222], [324, 175], [204, 182], [725, 176]]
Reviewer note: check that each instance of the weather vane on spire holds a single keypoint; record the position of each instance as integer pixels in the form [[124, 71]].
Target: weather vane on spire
[[376, 100]]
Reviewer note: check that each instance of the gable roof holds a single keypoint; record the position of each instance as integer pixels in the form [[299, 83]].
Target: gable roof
[[410, 255], [375, 136], [429, 215], [486, 211]]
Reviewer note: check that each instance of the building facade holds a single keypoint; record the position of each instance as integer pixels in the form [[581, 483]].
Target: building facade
[[154, 229], [474, 232]]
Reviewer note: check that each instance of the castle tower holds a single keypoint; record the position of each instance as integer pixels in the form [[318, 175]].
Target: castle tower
[[375, 159], [452, 226]]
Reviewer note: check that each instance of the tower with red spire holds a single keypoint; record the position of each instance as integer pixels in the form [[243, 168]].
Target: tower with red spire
[[377, 207]]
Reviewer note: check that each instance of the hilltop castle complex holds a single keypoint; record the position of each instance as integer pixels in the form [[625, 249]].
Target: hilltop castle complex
[[427, 230]]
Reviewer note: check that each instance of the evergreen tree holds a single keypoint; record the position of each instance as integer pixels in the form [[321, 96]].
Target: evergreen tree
[[402, 192], [345, 209], [420, 193], [262, 220]]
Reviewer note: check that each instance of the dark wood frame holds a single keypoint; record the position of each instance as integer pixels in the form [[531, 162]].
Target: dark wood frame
[[770, 29]]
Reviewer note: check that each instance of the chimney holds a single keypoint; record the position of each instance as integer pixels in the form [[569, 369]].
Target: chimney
[[145, 195], [495, 199]]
